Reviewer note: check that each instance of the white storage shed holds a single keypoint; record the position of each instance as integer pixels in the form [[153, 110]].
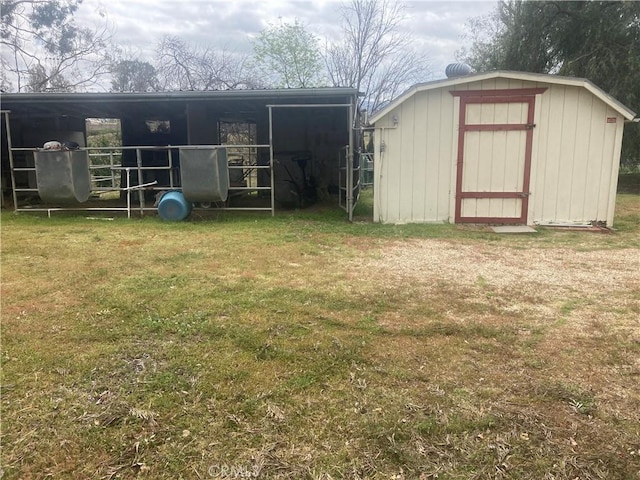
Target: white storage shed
[[499, 147]]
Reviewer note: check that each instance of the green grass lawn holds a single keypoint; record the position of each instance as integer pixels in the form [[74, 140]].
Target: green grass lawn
[[305, 347]]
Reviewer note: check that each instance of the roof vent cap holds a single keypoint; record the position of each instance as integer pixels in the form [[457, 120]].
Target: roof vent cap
[[454, 70]]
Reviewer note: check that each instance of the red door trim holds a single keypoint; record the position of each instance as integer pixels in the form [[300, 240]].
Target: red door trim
[[487, 127], [474, 97], [493, 194], [496, 99], [506, 92]]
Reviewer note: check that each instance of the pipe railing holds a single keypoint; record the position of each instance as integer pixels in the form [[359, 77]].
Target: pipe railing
[[114, 177]]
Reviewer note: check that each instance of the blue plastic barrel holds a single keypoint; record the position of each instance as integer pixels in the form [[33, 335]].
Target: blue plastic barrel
[[173, 206]]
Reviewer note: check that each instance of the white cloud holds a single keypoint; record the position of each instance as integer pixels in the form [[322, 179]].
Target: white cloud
[[437, 26]]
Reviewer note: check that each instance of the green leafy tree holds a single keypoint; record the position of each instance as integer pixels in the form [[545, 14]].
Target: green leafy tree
[[289, 55], [134, 76], [44, 49], [596, 40]]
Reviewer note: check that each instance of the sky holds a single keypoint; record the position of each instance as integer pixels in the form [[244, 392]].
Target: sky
[[437, 27]]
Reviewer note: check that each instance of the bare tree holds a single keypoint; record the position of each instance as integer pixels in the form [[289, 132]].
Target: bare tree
[[5, 83], [182, 66], [375, 55], [43, 49]]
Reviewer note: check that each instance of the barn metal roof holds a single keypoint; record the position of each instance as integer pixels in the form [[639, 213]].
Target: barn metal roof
[[105, 104], [180, 95], [533, 77]]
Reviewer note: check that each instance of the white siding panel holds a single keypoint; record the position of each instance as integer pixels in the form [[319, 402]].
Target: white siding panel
[[540, 134], [420, 160], [431, 157], [612, 136], [502, 83], [499, 168], [474, 114], [491, 207], [524, 84], [545, 164], [388, 161], [487, 113], [414, 170], [449, 113], [567, 153], [436, 149], [484, 85], [580, 146], [393, 155], [407, 159], [614, 155], [517, 113], [482, 163], [379, 189], [501, 112], [514, 161], [471, 159], [572, 156], [549, 187], [490, 113], [598, 163], [512, 207], [487, 161]]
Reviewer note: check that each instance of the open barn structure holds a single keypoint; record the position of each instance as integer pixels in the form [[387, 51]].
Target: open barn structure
[[232, 150]]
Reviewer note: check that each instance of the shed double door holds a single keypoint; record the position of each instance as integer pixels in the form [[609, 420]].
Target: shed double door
[[494, 155]]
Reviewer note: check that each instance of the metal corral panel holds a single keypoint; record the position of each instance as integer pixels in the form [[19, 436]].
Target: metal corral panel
[[63, 176], [204, 174], [574, 150]]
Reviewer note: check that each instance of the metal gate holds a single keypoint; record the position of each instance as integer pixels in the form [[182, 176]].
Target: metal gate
[[495, 142]]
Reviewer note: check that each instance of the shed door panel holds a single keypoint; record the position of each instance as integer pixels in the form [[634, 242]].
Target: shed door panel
[[496, 113], [494, 158]]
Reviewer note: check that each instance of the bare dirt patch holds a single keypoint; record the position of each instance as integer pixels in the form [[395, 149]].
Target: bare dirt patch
[[499, 266], [546, 281]]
